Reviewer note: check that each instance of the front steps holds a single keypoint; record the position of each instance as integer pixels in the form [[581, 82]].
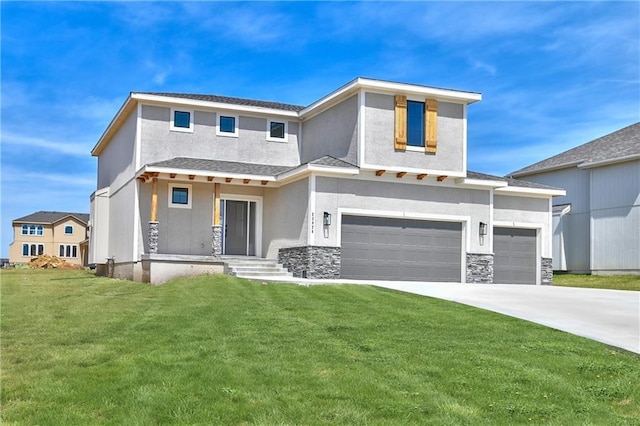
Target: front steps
[[254, 268]]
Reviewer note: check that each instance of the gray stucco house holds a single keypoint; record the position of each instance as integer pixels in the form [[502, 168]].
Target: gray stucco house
[[369, 182], [596, 226]]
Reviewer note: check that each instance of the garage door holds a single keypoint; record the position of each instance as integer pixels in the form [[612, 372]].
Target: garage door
[[514, 259], [400, 249]]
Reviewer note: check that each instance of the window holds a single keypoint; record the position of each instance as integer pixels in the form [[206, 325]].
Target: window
[[181, 120], [277, 131], [180, 196], [68, 250], [32, 249], [227, 125], [33, 230], [415, 123], [68, 230]]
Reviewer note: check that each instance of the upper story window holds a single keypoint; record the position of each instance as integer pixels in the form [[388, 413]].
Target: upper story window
[[180, 195], [37, 230], [68, 230], [227, 125], [416, 124], [277, 130], [181, 120]]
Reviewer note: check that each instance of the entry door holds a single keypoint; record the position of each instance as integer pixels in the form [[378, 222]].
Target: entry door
[[235, 227]]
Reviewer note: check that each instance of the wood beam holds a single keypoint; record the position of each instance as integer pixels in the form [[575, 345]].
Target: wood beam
[[421, 176], [154, 200], [441, 178], [228, 180], [209, 178], [264, 182], [216, 204], [192, 177], [380, 172], [400, 175], [172, 175], [246, 181]]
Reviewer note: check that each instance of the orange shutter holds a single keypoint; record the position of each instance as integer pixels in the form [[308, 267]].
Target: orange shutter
[[401, 123], [431, 125]]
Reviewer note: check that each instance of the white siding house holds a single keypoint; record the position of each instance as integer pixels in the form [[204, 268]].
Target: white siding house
[[596, 226]]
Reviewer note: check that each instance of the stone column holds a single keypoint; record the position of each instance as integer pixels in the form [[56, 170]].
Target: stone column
[[547, 271], [216, 240], [479, 268], [153, 237]]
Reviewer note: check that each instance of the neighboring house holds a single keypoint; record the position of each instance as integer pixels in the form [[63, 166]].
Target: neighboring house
[[52, 233], [596, 226], [369, 182]]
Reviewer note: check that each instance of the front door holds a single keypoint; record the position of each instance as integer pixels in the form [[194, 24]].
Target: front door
[[235, 227]]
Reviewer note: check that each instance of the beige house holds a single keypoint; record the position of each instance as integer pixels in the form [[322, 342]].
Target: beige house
[[52, 233]]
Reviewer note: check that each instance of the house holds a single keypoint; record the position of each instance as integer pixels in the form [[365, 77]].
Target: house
[[596, 226], [368, 182], [52, 233]]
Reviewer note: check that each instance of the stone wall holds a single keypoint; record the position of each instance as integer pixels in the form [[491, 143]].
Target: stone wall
[[311, 261], [216, 240], [546, 275], [479, 268], [153, 237]]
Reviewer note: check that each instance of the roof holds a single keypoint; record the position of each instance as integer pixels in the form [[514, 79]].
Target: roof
[[185, 163], [617, 146], [51, 217], [510, 181], [229, 100]]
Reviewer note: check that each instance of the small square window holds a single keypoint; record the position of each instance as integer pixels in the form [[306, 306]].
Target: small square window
[[276, 130], [180, 196], [227, 124], [182, 119], [68, 229]]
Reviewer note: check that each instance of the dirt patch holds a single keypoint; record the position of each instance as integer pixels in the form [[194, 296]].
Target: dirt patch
[[47, 262]]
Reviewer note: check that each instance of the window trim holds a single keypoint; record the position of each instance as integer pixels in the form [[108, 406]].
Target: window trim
[[69, 251], [172, 126], [227, 134], [65, 230], [189, 189], [286, 131]]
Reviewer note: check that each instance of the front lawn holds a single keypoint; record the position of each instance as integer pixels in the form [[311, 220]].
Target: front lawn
[[77, 349], [611, 282]]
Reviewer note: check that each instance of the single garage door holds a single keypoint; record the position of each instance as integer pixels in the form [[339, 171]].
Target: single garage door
[[514, 259], [400, 249]]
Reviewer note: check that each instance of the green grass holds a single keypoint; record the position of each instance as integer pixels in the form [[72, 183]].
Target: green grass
[[77, 349], [611, 282]]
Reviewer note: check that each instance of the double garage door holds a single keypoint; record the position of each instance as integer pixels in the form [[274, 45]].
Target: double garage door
[[416, 250], [400, 249]]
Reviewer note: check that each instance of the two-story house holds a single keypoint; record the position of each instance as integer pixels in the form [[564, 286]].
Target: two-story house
[[50, 233], [369, 182]]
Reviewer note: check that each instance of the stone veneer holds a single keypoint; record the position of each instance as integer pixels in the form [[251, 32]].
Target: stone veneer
[[480, 268], [153, 237], [216, 240], [311, 261], [546, 275]]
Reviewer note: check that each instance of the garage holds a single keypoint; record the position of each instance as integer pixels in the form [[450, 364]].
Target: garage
[[400, 249], [514, 259]]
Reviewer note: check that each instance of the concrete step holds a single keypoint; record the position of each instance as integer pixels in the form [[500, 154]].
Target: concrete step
[[253, 268]]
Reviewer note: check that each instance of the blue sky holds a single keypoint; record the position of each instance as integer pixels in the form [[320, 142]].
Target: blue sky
[[552, 75]]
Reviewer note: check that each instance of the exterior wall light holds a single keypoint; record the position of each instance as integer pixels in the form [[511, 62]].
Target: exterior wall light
[[326, 219], [483, 229]]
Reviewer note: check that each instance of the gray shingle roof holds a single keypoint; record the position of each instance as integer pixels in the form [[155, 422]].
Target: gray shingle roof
[[328, 160], [229, 100], [510, 181], [221, 166], [622, 143], [51, 217]]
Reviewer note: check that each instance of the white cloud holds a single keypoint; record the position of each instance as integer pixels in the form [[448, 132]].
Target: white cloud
[[67, 148]]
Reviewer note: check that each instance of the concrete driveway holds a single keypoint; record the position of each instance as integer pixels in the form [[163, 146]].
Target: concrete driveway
[[608, 316]]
